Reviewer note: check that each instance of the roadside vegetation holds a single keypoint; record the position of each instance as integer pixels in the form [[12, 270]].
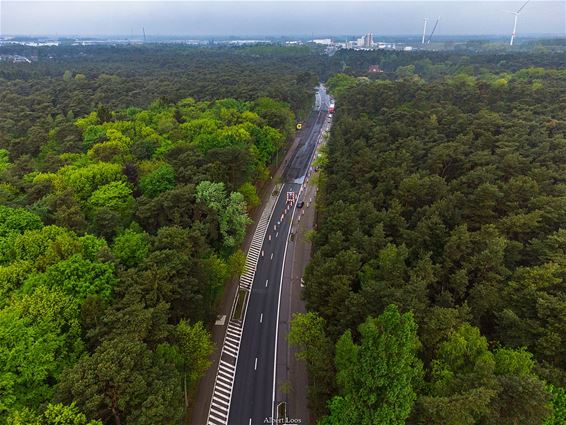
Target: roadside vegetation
[[119, 229], [436, 293], [127, 174]]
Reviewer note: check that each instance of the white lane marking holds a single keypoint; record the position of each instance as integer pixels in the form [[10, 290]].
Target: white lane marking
[[255, 365], [259, 234], [224, 380], [272, 255], [224, 387], [232, 339], [217, 418], [228, 365], [225, 375], [218, 412], [261, 318], [230, 351], [266, 282], [234, 335], [222, 392], [216, 405], [278, 310], [250, 421], [277, 234], [232, 345], [222, 398], [234, 329]]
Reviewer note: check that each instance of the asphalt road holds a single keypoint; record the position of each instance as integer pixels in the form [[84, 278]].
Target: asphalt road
[[253, 389]]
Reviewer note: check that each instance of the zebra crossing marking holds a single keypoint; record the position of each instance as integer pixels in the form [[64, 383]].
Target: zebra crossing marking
[[219, 408]]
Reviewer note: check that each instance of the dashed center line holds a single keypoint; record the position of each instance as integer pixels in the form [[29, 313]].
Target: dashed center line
[[255, 365], [272, 255], [266, 282], [261, 318], [219, 407]]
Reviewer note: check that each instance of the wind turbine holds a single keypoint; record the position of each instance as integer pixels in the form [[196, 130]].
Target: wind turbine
[[515, 23], [424, 30], [433, 30]]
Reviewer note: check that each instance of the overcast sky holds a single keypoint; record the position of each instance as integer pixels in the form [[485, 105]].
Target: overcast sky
[[240, 18]]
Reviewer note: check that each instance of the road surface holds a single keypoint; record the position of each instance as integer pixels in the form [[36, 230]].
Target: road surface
[[244, 391]]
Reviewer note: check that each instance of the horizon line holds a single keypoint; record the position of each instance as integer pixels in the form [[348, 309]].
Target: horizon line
[[310, 36]]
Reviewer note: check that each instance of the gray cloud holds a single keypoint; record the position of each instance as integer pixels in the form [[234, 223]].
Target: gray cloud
[[276, 17]]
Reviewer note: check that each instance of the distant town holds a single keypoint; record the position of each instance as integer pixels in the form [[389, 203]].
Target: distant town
[[331, 45], [366, 42]]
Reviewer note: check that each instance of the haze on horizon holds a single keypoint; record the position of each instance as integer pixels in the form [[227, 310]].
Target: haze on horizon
[[276, 18]]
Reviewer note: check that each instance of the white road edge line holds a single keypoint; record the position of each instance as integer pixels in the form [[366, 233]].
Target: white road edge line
[[281, 286], [264, 231], [277, 315]]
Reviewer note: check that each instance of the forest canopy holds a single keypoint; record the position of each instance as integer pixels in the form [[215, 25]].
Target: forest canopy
[[444, 198], [118, 231], [127, 175]]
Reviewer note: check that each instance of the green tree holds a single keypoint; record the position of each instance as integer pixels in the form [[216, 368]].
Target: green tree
[[237, 263], [315, 348], [40, 335], [195, 346], [111, 207], [54, 414], [158, 181], [17, 220], [231, 211], [471, 384], [250, 195], [116, 196], [124, 380], [339, 83], [378, 377], [131, 247], [4, 160], [85, 180], [78, 277], [558, 406]]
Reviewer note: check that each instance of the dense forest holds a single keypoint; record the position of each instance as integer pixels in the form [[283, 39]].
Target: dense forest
[[72, 81], [436, 293], [439, 64], [127, 175], [121, 219]]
